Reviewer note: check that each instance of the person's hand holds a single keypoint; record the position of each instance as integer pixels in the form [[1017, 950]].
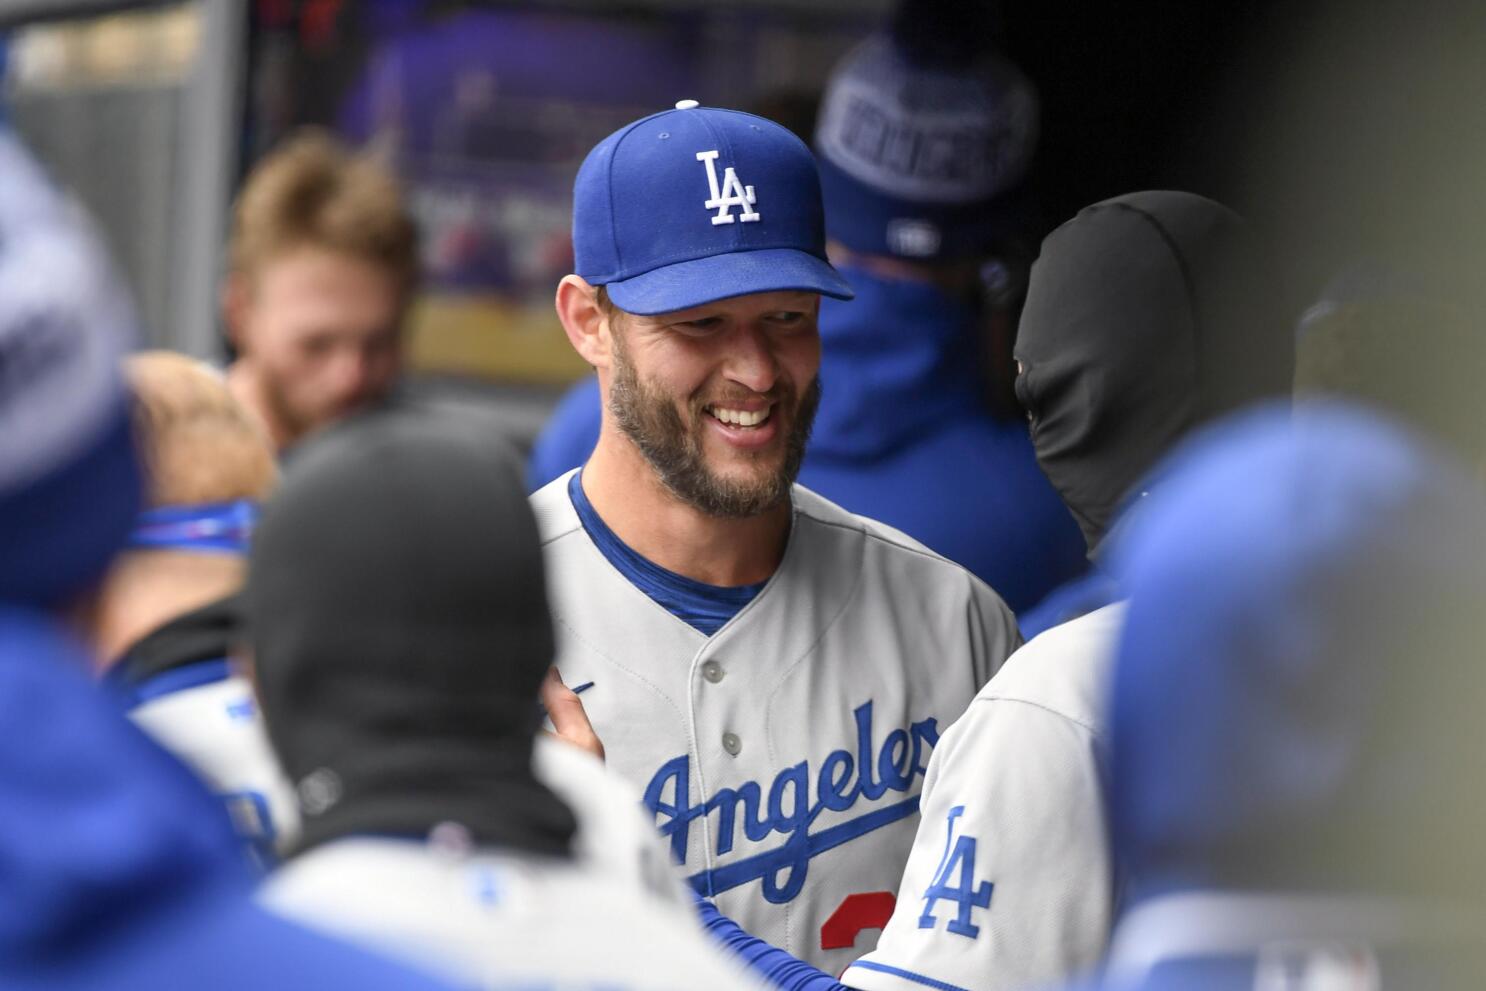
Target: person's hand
[[569, 721]]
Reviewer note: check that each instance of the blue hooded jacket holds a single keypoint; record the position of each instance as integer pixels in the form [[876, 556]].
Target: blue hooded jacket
[[1297, 682], [117, 870], [902, 436]]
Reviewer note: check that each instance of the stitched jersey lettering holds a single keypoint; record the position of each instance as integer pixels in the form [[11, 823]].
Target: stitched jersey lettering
[[954, 881], [789, 807]]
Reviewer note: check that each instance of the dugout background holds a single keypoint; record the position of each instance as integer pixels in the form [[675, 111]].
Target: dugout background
[[1348, 131]]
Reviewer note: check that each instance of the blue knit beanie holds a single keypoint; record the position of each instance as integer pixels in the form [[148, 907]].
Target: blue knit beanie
[[922, 146]]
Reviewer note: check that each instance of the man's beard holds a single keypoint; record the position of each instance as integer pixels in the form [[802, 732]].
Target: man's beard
[[649, 419]]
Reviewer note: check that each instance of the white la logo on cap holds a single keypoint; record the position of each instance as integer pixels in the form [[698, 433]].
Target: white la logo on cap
[[733, 193]]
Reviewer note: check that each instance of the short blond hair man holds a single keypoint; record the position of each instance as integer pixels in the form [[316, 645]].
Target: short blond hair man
[[165, 620], [323, 260]]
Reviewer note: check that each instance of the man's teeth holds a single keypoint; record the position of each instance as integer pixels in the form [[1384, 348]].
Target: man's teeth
[[740, 417]]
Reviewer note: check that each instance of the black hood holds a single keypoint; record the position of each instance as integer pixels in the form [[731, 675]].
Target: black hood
[[400, 629], [1146, 315]]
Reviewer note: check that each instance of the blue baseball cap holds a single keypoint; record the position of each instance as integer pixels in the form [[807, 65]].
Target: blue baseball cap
[[698, 204]]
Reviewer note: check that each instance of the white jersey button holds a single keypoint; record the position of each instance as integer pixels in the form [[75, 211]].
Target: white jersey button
[[731, 743], [713, 672], [687, 104]]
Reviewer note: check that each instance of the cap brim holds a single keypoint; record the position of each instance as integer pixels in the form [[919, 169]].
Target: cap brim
[[706, 280]]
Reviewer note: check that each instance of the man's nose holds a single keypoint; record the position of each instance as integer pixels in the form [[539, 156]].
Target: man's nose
[[751, 359]]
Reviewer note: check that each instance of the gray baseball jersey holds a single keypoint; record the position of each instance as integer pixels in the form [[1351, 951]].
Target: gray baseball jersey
[[495, 920], [216, 730], [782, 757], [1009, 884]]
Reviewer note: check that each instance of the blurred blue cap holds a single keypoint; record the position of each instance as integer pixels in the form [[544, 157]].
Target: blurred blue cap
[[698, 204], [1299, 671], [70, 483]]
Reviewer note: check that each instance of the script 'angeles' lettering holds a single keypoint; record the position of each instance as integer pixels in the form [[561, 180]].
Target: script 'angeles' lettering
[[731, 193], [790, 806]]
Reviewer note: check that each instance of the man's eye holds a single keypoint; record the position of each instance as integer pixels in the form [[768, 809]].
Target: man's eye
[[702, 325], [787, 317]]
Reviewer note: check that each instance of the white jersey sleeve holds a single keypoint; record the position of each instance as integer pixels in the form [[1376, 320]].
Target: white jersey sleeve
[[217, 730], [491, 919], [614, 836], [1009, 883]]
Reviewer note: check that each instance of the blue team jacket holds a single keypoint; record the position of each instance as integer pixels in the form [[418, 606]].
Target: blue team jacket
[[121, 872]]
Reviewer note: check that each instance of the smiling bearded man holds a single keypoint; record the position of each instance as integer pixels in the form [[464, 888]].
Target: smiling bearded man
[[673, 447], [770, 671]]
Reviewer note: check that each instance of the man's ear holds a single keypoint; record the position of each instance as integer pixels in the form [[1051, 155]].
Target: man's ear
[[236, 300], [587, 327]]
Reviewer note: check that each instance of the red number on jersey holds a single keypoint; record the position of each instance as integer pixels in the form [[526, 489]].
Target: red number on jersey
[[866, 910]]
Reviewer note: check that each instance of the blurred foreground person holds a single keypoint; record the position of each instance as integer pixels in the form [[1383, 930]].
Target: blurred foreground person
[[400, 631], [166, 617], [905, 433], [120, 871], [1400, 352], [324, 261], [1147, 315], [1295, 787]]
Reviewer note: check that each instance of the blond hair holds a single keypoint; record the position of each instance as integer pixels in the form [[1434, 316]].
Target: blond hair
[[197, 443], [312, 192]]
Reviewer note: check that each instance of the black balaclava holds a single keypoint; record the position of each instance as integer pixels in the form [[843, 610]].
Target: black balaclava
[[400, 630], [1146, 315]]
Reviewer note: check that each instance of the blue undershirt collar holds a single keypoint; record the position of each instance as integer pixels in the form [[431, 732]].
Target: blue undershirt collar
[[704, 607]]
